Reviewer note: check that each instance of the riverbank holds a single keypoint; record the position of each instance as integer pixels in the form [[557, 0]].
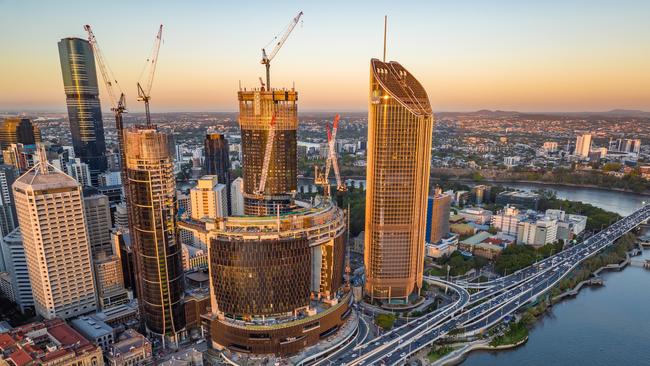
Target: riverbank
[[538, 182], [459, 355], [534, 314]]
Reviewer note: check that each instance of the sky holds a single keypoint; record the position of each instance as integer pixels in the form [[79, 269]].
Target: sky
[[552, 55]]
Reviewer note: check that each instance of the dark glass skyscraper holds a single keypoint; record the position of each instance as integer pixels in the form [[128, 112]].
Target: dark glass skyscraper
[[82, 98], [217, 160]]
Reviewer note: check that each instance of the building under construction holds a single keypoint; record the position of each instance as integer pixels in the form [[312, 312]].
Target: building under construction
[[261, 112], [276, 273]]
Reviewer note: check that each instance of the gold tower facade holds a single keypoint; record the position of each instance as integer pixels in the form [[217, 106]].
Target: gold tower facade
[[400, 124]]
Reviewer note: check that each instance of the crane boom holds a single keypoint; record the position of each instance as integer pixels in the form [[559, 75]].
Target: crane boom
[[266, 59], [267, 156], [144, 94], [117, 106]]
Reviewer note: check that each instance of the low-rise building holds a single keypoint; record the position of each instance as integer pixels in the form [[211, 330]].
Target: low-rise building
[[51, 342], [476, 214], [95, 330], [444, 247], [132, 348], [520, 199]]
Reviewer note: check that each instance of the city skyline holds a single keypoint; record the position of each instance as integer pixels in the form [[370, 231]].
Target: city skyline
[[506, 55]]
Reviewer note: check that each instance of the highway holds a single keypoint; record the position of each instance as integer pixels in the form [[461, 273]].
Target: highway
[[473, 314]]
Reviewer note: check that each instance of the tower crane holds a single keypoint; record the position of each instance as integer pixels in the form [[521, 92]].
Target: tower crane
[[267, 156], [266, 59], [322, 176], [118, 106], [144, 94]]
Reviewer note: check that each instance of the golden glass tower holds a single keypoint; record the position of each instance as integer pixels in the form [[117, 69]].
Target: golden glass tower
[[400, 125]]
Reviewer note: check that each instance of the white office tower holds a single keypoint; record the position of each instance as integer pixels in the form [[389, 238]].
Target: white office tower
[[79, 171], [209, 199], [583, 145], [50, 211], [237, 196], [15, 263]]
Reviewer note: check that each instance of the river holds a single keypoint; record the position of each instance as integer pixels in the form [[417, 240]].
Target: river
[[607, 325]]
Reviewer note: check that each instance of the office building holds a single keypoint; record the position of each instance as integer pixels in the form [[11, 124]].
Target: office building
[[256, 111], [208, 199], [625, 146], [537, 233], [237, 197], [476, 215], [98, 221], [8, 218], [15, 264], [151, 195], [82, 99], [110, 281], [80, 171], [519, 199], [583, 145], [400, 125], [50, 211], [438, 210], [217, 160], [507, 220], [18, 130]]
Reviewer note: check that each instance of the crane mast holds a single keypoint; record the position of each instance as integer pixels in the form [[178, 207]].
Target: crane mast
[[266, 59], [267, 156], [144, 94], [117, 106], [322, 176]]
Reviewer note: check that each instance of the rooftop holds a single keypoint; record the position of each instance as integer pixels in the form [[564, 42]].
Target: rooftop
[[91, 327]]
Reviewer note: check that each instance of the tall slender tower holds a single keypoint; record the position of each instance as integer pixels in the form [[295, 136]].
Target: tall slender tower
[[53, 226], [217, 160], [257, 110], [151, 197], [82, 98], [400, 125]]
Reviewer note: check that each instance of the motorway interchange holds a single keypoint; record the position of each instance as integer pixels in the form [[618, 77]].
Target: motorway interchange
[[483, 309]]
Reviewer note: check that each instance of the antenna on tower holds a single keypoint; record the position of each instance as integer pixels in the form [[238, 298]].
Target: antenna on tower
[[385, 27], [42, 158]]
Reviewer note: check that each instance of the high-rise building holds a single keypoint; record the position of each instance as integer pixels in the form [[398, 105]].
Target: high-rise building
[[276, 273], [98, 219], [400, 124], [208, 198], [256, 111], [82, 98], [8, 218], [217, 160], [583, 145], [625, 145], [110, 280], [151, 199], [15, 130], [15, 262], [237, 197], [53, 226], [438, 210]]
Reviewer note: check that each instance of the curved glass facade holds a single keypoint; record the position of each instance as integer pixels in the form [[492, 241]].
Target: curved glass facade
[[400, 126], [82, 99], [157, 250]]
